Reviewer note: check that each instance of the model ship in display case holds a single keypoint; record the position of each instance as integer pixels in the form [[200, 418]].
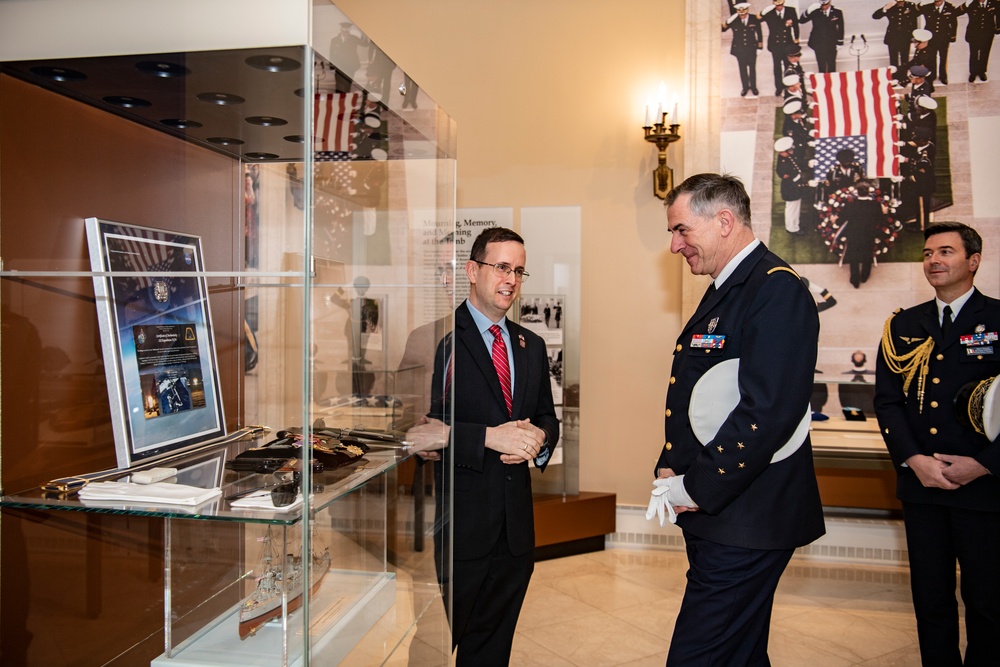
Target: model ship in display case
[[275, 576]]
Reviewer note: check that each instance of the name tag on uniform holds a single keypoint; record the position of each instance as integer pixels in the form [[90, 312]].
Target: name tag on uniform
[[976, 351], [979, 338], [708, 341]]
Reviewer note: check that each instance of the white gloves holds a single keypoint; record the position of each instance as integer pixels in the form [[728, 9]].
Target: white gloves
[[668, 492]]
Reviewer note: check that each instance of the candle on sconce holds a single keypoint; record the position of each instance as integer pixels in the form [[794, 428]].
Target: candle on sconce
[[673, 116], [648, 123]]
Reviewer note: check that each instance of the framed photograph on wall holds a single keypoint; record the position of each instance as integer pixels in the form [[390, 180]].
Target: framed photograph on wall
[[156, 334]]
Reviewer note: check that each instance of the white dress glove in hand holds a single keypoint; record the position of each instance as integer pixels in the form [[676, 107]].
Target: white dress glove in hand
[[660, 504]]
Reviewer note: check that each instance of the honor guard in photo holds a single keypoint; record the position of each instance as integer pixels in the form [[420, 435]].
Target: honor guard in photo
[[827, 33], [983, 26], [794, 182], [902, 17], [747, 40], [782, 33], [923, 56], [941, 19]]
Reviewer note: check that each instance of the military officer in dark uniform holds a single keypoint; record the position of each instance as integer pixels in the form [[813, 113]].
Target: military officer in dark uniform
[[782, 32], [794, 181], [922, 114], [923, 56], [826, 35], [743, 500], [859, 222], [902, 17], [919, 85], [794, 57], [941, 19], [747, 39], [845, 173], [984, 24], [794, 126], [919, 180], [946, 470]]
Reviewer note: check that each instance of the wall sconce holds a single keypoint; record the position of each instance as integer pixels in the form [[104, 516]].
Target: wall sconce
[[658, 132]]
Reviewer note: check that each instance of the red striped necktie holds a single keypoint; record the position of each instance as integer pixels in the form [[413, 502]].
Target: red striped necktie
[[500, 363]]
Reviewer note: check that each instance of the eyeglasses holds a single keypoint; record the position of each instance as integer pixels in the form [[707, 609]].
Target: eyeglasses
[[503, 270]]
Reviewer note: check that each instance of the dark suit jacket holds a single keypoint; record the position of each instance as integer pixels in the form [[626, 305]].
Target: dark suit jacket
[[770, 322], [779, 35], [942, 24], [908, 430], [827, 31], [984, 22], [745, 37], [486, 491]]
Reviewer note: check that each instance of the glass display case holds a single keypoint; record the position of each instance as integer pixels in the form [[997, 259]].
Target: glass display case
[[316, 178]]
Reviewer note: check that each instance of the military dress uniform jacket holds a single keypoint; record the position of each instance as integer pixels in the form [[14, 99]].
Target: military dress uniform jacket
[[943, 24], [827, 29], [746, 38], [902, 23], [488, 493], [769, 321], [984, 21], [907, 429], [782, 31]]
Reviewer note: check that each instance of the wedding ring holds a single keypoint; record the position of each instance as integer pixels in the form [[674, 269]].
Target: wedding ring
[[525, 448]]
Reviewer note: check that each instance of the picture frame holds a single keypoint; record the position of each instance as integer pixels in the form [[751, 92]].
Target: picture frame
[[157, 340]]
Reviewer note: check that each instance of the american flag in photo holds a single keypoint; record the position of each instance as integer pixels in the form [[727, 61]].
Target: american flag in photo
[[147, 255], [828, 147], [859, 103], [334, 117]]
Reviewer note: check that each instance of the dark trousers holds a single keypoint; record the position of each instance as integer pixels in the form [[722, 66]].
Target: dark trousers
[[488, 594], [725, 616], [940, 61], [747, 64], [826, 58], [861, 271], [936, 538], [780, 63], [979, 57]]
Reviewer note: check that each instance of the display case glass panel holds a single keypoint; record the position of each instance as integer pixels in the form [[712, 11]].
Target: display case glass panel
[[321, 189]]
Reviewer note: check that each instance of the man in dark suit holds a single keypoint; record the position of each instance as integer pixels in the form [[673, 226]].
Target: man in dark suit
[[498, 375], [941, 19], [902, 17], [782, 33], [747, 39], [826, 35], [945, 469], [984, 24], [743, 507], [859, 221]]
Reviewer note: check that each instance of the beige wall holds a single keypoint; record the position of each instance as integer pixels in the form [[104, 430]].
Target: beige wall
[[549, 99]]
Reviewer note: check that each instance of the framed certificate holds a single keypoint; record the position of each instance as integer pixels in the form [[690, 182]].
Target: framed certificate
[[156, 333]]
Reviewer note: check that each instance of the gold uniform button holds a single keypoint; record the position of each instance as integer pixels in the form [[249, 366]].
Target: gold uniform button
[[934, 404], [933, 431], [668, 412], [940, 357], [673, 380], [979, 357], [668, 446], [936, 380], [679, 347]]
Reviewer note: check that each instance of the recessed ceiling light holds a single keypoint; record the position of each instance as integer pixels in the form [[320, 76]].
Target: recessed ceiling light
[[61, 74], [128, 102], [266, 121], [180, 123], [225, 141], [162, 69], [222, 99], [273, 63]]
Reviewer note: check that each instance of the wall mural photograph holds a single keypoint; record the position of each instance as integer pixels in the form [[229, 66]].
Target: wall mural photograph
[[855, 125]]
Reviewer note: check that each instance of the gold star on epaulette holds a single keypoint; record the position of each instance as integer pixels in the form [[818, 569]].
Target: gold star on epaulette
[[753, 427], [743, 465], [722, 471], [719, 448], [739, 445]]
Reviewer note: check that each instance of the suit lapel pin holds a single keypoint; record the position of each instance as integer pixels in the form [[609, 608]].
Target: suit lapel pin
[[520, 339]]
